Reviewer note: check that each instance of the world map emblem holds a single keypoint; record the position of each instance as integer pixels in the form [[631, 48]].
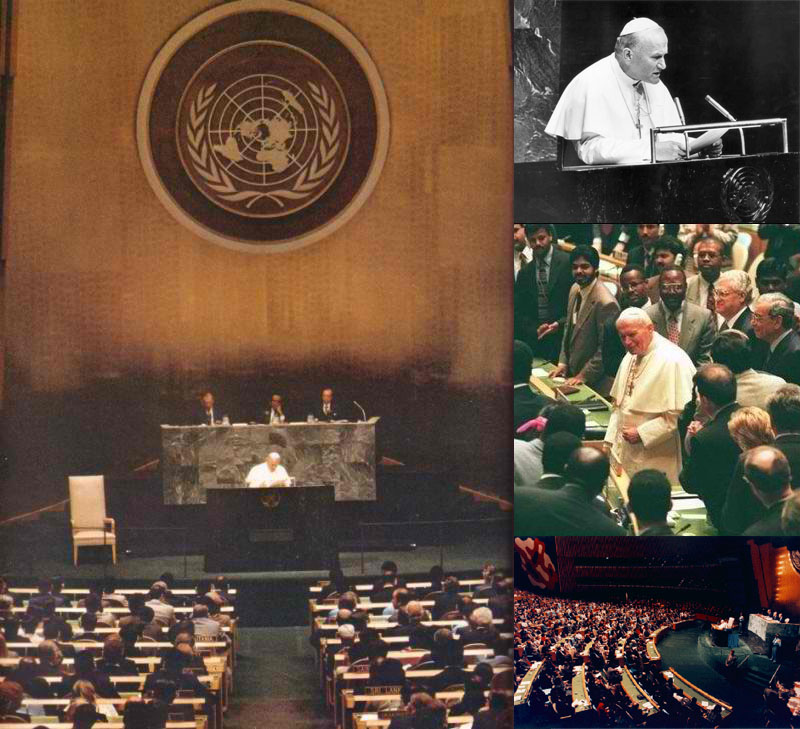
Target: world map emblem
[[262, 125]]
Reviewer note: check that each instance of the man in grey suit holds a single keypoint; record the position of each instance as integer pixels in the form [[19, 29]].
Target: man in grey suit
[[683, 323], [710, 254], [590, 306]]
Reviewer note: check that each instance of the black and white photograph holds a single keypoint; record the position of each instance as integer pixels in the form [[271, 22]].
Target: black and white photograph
[[672, 108]]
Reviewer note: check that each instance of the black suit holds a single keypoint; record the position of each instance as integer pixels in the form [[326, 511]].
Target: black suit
[[769, 525], [612, 348], [785, 360], [334, 414], [742, 508], [637, 256], [710, 466], [202, 418], [526, 303], [527, 404], [566, 512]]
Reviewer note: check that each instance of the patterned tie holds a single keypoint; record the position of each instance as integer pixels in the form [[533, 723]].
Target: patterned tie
[[673, 333], [711, 303], [541, 280]]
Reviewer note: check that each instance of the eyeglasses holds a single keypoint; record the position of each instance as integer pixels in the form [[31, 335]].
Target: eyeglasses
[[759, 317]]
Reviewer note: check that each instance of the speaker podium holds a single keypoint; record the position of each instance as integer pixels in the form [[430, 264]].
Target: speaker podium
[[270, 529]]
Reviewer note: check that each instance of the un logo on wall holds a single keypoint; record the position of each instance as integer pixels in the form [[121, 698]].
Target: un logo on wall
[[262, 125]]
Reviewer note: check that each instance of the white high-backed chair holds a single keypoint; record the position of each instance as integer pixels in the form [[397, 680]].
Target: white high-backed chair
[[90, 525]]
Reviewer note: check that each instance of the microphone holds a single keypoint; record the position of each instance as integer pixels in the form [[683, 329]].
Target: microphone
[[361, 409], [721, 109], [680, 110]]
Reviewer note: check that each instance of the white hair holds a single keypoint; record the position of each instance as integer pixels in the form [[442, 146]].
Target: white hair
[[780, 305], [274, 456], [740, 282], [634, 313], [482, 616]]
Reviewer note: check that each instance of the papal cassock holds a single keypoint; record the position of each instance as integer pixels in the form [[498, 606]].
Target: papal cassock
[[649, 392], [598, 111]]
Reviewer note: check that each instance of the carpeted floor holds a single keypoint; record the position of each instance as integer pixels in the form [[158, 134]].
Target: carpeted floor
[[277, 683], [689, 654]]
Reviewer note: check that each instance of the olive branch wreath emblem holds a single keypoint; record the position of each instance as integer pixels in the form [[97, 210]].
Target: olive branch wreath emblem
[[217, 178]]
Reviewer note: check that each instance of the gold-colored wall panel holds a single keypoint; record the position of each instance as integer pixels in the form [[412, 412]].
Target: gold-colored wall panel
[[101, 280]]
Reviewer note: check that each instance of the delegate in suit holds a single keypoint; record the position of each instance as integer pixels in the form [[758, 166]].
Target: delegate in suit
[[541, 292], [681, 322], [590, 306]]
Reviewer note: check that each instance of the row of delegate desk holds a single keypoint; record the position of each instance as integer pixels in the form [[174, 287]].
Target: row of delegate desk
[[345, 688], [217, 655], [581, 700]]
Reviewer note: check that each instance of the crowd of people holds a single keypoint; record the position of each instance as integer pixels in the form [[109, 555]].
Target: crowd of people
[[487, 694], [50, 639], [557, 632], [703, 374]]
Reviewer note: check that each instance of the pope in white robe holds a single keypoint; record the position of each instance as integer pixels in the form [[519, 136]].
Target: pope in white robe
[[653, 383], [268, 473], [608, 109]]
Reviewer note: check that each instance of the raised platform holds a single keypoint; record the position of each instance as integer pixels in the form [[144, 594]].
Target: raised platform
[[708, 190]]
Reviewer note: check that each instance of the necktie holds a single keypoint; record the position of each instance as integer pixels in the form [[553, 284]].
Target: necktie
[[578, 301], [673, 333], [711, 300], [541, 280], [711, 303]]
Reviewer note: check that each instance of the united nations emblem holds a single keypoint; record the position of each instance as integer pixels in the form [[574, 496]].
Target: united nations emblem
[[271, 499], [279, 129]]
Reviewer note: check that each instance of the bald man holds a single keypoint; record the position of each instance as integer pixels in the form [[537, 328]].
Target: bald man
[[653, 383], [606, 112], [572, 510], [767, 471], [268, 473]]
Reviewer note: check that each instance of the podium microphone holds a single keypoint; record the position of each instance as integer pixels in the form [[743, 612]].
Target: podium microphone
[[721, 109], [361, 409], [680, 111]]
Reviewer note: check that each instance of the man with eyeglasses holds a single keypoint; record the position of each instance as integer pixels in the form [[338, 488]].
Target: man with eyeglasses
[[773, 322], [689, 326]]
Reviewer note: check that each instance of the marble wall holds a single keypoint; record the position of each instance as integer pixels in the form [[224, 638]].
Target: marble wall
[[194, 457]]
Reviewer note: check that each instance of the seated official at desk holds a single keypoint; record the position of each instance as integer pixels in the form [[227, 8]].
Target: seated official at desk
[[327, 410], [275, 414], [209, 412], [269, 473]]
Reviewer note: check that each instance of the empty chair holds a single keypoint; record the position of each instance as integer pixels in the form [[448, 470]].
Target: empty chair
[[90, 525]]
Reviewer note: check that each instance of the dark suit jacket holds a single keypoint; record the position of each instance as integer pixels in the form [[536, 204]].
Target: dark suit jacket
[[612, 349], [741, 507], [743, 323], [335, 414], [201, 418], [769, 525], [526, 298], [636, 255], [565, 512], [785, 360], [527, 404], [710, 466]]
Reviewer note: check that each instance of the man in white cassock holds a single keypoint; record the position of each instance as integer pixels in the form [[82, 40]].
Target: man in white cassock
[[269, 473], [606, 112], [653, 383]]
